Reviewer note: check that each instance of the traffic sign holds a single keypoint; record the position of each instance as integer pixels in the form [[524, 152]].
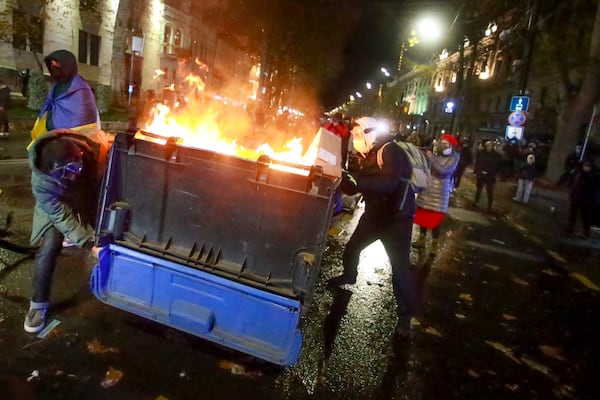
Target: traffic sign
[[517, 118], [514, 132], [519, 103]]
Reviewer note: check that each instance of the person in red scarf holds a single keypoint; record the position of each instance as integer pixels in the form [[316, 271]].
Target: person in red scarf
[[338, 127], [432, 204]]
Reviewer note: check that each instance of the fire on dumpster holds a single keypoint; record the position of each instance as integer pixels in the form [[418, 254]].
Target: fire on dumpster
[[225, 126]]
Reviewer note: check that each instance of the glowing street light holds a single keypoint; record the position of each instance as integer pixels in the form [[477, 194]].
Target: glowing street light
[[369, 86], [358, 95], [385, 71], [428, 29]]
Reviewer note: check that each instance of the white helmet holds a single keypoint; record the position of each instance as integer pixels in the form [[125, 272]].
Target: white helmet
[[364, 134]]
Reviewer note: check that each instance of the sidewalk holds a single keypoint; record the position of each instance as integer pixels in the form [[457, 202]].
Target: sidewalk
[[543, 219]]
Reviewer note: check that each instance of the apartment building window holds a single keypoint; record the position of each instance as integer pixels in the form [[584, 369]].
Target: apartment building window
[[27, 32], [89, 48], [167, 40]]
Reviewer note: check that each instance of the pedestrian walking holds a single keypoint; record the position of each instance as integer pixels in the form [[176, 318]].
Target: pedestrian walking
[[432, 204], [526, 177], [4, 104], [388, 216], [487, 164], [583, 197]]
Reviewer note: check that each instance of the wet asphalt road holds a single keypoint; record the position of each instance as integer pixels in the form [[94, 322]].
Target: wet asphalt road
[[499, 319]]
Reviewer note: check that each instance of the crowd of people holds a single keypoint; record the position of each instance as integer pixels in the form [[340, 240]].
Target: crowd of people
[[393, 207]]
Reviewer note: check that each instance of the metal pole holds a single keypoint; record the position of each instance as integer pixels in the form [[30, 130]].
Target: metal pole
[[588, 132]]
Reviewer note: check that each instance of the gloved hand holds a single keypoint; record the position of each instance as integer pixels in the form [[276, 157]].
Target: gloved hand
[[348, 184]]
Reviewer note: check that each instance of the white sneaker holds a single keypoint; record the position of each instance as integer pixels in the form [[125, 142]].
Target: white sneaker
[[36, 317], [68, 243]]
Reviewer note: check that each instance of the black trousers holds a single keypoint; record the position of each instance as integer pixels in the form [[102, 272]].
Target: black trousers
[[3, 119], [395, 234], [488, 182], [44, 265], [585, 210]]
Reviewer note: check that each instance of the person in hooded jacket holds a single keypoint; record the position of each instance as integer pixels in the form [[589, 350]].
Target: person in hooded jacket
[[432, 204], [66, 168], [388, 215], [70, 103]]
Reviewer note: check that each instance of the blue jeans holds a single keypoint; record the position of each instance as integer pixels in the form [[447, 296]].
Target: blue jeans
[[395, 234], [44, 265]]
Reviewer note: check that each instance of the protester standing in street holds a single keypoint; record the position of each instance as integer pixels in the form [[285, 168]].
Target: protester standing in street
[[487, 164], [388, 216], [527, 173], [432, 204], [582, 197], [466, 158], [4, 104], [339, 128]]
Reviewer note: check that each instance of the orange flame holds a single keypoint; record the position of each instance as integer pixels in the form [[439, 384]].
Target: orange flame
[[220, 124]]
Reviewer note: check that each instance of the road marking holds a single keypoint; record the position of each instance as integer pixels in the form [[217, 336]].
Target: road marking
[[18, 161]]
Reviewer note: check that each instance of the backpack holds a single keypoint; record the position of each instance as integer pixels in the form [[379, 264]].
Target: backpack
[[421, 173]]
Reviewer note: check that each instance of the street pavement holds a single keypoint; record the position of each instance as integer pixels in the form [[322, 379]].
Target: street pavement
[[509, 307]]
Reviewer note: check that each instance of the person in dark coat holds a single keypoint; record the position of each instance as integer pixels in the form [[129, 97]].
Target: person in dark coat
[[466, 159], [527, 173], [570, 167], [487, 165], [582, 197], [4, 104], [388, 216]]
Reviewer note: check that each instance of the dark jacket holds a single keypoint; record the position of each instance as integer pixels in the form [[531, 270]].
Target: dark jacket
[[4, 96], [527, 171], [488, 163], [387, 191], [585, 187]]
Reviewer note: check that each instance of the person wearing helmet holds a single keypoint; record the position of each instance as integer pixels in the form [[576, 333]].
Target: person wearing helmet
[[66, 167], [388, 216]]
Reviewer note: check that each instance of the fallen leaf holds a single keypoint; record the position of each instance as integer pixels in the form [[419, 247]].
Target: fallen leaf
[[460, 316], [95, 347], [492, 267], [513, 387], [500, 242], [549, 272], [552, 352], [585, 281], [465, 296], [537, 366], [564, 391], [509, 317], [520, 281], [433, 331], [505, 350], [472, 373], [556, 256], [111, 378]]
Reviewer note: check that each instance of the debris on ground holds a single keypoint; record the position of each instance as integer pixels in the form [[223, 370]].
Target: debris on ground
[[111, 378], [95, 347]]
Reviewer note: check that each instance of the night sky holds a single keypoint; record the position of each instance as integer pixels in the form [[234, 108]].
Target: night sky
[[375, 43]]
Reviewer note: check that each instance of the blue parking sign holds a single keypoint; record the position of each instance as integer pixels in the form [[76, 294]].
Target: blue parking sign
[[519, 103]]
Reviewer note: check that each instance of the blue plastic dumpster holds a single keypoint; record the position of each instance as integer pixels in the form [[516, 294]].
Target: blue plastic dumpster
[[217, 246]]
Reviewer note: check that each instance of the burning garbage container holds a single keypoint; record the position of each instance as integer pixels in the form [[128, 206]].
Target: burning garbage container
[[221, 247]]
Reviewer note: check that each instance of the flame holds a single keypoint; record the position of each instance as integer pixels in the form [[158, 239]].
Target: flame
[[220, 124]]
